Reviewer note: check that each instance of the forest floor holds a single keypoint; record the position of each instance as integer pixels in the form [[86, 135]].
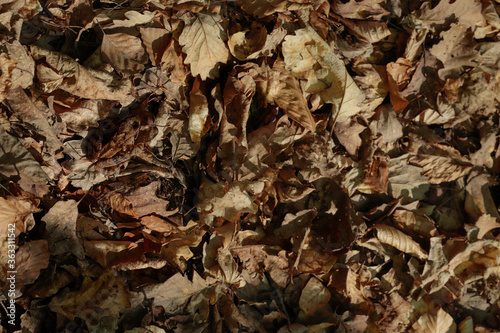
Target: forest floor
[[249, 166]]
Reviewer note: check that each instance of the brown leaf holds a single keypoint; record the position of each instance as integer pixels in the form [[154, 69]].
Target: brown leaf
[[61, 224], [63, 72], [399, 240], [7, 66], [32, 257], [348, 135], [108, 293], [399, 74], [314, 296], [361, 10], [155, 40], [456, 51], [202, 41], [441, 163], [124, 52], [284, 90], [245, 45], [146, 202]]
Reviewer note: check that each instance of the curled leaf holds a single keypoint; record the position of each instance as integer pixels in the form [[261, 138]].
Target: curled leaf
[[404, 243]]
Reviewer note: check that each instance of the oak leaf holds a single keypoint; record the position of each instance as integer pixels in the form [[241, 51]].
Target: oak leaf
[[202, 41]]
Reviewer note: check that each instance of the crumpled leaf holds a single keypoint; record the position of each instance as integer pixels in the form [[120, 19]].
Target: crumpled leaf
[[7, 67], [441, 163], [16, 159], [392, 236], [202, 41], [124, 52], [63, 72], [179, 293], [227, 202], [407, 180], [309, 57], [16, 216], [262, 8], [284, 90], [108, 293], [456, 51]]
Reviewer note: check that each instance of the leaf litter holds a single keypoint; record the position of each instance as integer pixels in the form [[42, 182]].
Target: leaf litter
[[251, 166]]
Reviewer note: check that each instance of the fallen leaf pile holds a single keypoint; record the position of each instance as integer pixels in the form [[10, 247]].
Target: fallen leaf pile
[[251, 166]]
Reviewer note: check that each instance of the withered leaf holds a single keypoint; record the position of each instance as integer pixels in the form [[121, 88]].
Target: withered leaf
[[124, 52], [202, 41]]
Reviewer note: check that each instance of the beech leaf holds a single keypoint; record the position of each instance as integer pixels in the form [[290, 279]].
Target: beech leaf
[[124, 52], [392, 236]]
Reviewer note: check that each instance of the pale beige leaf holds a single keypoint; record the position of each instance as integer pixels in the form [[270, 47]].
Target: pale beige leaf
[[404, 243], [202, 41], [228, 202], [368, 31], [441, 163], [23, 74], [486, 223], [309, 57], [314, 296], [441, 322], [16, 216], [124, 52], [198, 112], [467, 12], [360, 10], [456, 51]]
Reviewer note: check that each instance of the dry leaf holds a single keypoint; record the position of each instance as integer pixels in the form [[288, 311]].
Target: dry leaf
[[202, 41], [309, 57], [198, 112], [62, 72], [284, 90], [486, 223], [404, 243], [155, 40], [441, 322], [108, 293], [61, 224], [124, 52], [456, 51], [441, 163], [314, 296]]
